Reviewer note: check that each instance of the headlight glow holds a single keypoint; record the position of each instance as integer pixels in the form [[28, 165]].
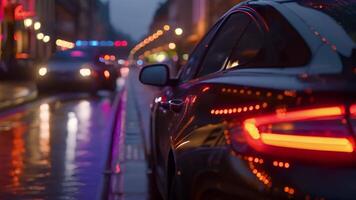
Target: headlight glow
[[85, 72], [42, 71]]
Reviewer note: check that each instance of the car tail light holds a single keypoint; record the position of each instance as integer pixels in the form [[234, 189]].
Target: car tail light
[[106, 74], [317, 130], [353, 117], [353, 110]]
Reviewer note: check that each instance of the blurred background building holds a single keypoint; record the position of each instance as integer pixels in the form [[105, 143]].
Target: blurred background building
[[29, 30], [193, 18]]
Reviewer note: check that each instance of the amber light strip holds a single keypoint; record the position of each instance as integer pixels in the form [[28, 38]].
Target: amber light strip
[[308, 142], [228, 111]]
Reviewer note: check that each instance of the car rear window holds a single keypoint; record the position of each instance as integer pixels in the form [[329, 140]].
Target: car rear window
[[73, 55], [342, 11], [280, 46]]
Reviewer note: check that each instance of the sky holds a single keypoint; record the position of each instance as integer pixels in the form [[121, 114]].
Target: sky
[[133, 17]]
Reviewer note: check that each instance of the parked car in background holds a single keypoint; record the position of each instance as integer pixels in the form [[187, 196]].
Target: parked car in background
[[108, 70], [75, 70], [265, 108]]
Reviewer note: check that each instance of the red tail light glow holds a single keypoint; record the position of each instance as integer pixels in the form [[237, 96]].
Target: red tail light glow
[[308, 142], [106, 74], [297, 136], [353, 109]]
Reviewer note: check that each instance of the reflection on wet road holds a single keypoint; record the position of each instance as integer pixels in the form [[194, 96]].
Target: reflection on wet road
[[55, 149]]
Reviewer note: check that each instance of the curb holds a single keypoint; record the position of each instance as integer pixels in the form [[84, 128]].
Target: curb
[[117, 103]]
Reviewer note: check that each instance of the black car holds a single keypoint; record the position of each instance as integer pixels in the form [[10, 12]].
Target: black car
[[108, 73], [75, 70], [264, 109]]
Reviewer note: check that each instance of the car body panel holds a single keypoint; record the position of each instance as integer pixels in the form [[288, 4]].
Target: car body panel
[[193, 145]]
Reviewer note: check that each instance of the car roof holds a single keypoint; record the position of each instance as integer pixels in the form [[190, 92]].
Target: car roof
[[337, 37]]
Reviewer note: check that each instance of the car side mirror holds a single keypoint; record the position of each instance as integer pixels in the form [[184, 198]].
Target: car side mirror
[[156, 75]]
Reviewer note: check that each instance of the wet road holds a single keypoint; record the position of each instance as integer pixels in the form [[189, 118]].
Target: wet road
[[55, 148]]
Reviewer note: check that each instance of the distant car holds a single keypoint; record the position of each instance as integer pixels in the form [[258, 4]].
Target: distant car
[[108, 72], [74, 70], [265, 108]]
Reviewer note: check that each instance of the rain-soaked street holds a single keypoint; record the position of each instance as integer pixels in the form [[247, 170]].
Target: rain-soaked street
[[56, 148], [177, 99]]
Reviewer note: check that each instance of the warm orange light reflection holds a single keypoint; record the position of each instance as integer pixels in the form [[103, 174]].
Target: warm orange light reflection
[[289, 190], [251, 129], [281, 164], [238, 109], [308, 142], [205, 89], [17, 155]]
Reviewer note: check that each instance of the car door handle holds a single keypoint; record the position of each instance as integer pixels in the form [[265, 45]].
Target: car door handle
[[176, 105]]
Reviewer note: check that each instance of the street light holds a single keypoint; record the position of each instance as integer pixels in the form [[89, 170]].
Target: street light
[[42, 71], [40, 36], [37, 25], [159, 32], [166, 27], [178, 31], [172, 45], [27, 22], [46, 39]]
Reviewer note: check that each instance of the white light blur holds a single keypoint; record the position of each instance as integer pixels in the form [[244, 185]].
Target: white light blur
[[121, 61], [172, 45], [71, 144], [124, 71], [42, 71], [85, 72], [158, 99], [178, 31], [40, 36], [27, 22], [160, 57], [44, 116], [84, 112], [183, 143], [37, 25], [139, 62], [46, 38]]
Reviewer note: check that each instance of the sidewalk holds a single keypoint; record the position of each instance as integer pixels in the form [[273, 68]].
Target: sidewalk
[[129, 177], [144, 96], [129, 169], [15, 93]]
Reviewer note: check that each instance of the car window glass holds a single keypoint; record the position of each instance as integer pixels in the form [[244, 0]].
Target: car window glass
[[248, 46], [189, 70], [223, 43], [279, 46]]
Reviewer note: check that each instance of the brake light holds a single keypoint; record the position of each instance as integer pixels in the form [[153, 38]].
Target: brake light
[[318, 129], [308, 142], [106, 74]]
